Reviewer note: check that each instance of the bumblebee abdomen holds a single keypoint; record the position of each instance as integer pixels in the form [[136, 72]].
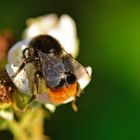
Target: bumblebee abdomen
[[69, 78], [63, 94]]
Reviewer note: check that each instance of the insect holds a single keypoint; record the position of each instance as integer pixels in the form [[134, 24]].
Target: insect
[[50, 63]]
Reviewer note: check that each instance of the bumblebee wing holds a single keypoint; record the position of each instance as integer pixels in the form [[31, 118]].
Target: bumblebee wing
[[77, 69], [52, 68]]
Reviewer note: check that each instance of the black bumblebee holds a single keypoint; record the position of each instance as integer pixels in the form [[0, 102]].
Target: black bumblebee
[[52, 63]]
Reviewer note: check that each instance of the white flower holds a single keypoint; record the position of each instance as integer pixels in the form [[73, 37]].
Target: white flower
[[63, 29], [15, 59], [7, 115]]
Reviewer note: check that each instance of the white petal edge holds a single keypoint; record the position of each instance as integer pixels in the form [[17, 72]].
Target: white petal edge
[[15, 55], [50, 107], [65, 33], [85, 79], [6, 115], [20, 81]]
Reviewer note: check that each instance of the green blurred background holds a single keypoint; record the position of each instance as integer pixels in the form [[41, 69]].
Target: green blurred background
[[109, 33]]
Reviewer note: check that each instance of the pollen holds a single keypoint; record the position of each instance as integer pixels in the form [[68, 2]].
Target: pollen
[[5, 93]]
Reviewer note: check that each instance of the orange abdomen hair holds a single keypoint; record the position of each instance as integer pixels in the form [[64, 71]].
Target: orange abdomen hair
[[61, 95]]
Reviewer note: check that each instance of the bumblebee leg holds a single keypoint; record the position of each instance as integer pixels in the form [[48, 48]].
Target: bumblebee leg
[[27, 60], [34, 90], [36, 84], [19, 69], [74, 106], [73, 103]]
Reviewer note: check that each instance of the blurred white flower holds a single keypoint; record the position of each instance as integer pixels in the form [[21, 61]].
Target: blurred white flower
[[7, 115], [63, 29], [15, 59], [20, 81]]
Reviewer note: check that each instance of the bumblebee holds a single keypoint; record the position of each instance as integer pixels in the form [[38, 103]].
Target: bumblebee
[[57, 68]]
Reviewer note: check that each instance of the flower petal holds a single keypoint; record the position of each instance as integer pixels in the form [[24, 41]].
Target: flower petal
[[20, 81], [6, 115], [63, 29], [85, 79]]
